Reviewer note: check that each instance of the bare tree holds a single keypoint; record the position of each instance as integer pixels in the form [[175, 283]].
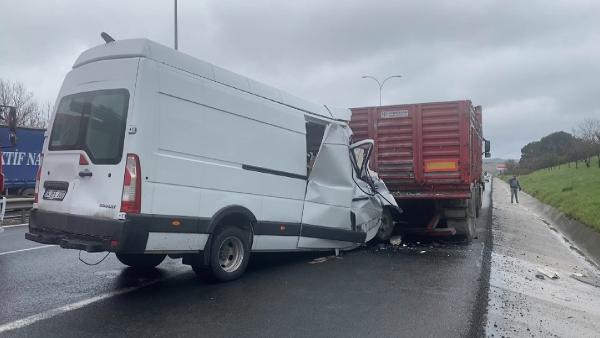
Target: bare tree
[[589, 132], [29, 113]]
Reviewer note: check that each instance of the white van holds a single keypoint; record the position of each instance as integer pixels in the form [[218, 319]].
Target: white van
[[152, 152]]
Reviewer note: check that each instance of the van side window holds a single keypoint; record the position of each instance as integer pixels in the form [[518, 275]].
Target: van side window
[[314, 138]]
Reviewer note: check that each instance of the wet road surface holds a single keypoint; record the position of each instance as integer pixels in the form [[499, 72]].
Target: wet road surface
[[425, 289]]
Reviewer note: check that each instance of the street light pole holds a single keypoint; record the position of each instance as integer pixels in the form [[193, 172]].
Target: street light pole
[[176, 25], [380, 84]]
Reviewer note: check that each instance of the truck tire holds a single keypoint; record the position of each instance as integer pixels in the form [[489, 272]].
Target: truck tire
[[229, 254], [465, 228], [143, 261], [387, 226], [478, 200], [28, 192]]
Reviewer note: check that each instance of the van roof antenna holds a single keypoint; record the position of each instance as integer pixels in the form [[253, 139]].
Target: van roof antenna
[[107, 38]]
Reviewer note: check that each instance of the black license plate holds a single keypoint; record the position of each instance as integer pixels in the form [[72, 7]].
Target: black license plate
[[55, 195]]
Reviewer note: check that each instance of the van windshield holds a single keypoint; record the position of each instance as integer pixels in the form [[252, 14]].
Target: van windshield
[[93, 122]]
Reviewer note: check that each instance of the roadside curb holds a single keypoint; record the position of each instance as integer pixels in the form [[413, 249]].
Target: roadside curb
[[586, 239]]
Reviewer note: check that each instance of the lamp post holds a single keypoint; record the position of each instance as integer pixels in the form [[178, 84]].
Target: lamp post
[[380, 84], [176, 47]]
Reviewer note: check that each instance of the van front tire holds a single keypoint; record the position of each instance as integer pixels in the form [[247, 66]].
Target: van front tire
[[143, 261], [229, 254]]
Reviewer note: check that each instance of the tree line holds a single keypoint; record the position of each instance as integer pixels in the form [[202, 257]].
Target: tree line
[[30, 112], [578, 147]]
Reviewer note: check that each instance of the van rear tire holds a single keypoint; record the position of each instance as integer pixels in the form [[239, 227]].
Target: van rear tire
[[229, 254], [143, 261]]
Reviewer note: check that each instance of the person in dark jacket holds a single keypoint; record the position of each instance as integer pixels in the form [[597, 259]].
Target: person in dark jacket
[[514, 188]]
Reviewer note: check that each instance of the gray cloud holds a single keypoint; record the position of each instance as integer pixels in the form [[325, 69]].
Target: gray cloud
[[532, 65]]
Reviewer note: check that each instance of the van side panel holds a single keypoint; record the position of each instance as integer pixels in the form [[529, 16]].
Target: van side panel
[[215, 146]]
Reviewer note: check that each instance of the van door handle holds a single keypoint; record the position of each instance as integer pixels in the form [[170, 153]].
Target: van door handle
[[85, 173]]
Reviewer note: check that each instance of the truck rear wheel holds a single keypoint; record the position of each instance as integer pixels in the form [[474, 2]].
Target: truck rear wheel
[[464, 228], [229, 254], [141, 260]]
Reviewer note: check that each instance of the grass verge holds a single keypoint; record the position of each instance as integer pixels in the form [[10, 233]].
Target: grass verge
[[575, 192]]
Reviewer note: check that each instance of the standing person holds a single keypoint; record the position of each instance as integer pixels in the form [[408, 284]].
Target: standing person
[[514, 187]]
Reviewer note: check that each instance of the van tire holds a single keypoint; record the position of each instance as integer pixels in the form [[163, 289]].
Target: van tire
[[229, 254], [385, 231], [142, 261]]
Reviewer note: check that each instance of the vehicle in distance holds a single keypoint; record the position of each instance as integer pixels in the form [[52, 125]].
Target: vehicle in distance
[[152, 152], [20, 162], [429, 156]]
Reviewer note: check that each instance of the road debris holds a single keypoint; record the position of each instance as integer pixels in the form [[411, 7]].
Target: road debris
[[396, 240], [323, 259], [548, 273]]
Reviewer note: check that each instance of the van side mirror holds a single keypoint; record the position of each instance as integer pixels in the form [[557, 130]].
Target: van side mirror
[[487, 148]]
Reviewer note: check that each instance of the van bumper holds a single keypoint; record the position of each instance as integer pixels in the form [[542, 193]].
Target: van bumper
[[91, 234]]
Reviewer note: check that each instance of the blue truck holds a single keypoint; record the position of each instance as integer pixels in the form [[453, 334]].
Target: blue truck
[[21, 161]]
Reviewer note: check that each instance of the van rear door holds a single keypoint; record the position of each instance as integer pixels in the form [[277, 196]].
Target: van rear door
[[83, 167]]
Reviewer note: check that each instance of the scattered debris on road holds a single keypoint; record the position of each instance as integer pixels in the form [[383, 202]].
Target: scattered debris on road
[[323, 259], [547, 273], [396, 240]]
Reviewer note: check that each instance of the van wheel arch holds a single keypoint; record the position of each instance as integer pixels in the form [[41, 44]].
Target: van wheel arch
[[235, 215]]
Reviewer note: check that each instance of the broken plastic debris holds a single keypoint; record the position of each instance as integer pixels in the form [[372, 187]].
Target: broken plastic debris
[[396, 240], [319, 260], [548, 273]]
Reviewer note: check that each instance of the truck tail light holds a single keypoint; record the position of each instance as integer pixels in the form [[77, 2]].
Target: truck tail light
[[37, 180], [131, 201]]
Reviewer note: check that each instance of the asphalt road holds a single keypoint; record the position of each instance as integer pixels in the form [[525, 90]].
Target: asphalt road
[[426, 289]]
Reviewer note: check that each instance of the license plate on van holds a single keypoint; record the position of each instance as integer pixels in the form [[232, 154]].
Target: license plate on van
[[55, 195]]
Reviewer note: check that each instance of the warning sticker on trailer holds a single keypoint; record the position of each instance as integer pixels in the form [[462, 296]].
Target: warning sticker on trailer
[[394, 114]]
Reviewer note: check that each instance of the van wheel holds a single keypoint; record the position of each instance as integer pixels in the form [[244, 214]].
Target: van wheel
[[141, 260], [387, 226], [229, 253]]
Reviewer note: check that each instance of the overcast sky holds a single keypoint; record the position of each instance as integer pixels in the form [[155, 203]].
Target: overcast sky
[[534, 66]]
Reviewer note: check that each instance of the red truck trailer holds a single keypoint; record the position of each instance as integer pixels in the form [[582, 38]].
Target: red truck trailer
[[429, 156]]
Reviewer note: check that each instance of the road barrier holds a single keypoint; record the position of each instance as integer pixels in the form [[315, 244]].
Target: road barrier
[[18, 207]]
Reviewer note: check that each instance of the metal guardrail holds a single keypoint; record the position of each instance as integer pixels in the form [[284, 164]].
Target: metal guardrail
[[18, 207]]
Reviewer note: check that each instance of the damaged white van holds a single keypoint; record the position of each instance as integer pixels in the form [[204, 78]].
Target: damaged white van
[[151, 152]]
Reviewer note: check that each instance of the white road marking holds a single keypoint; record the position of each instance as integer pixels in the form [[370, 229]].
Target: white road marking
[[14, 225], [20, 323], [28, 249]]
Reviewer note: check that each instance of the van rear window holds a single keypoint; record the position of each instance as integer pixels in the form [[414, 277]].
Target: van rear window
[[94, 122]]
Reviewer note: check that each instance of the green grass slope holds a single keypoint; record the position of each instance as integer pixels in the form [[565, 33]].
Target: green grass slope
[[575, 192]]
